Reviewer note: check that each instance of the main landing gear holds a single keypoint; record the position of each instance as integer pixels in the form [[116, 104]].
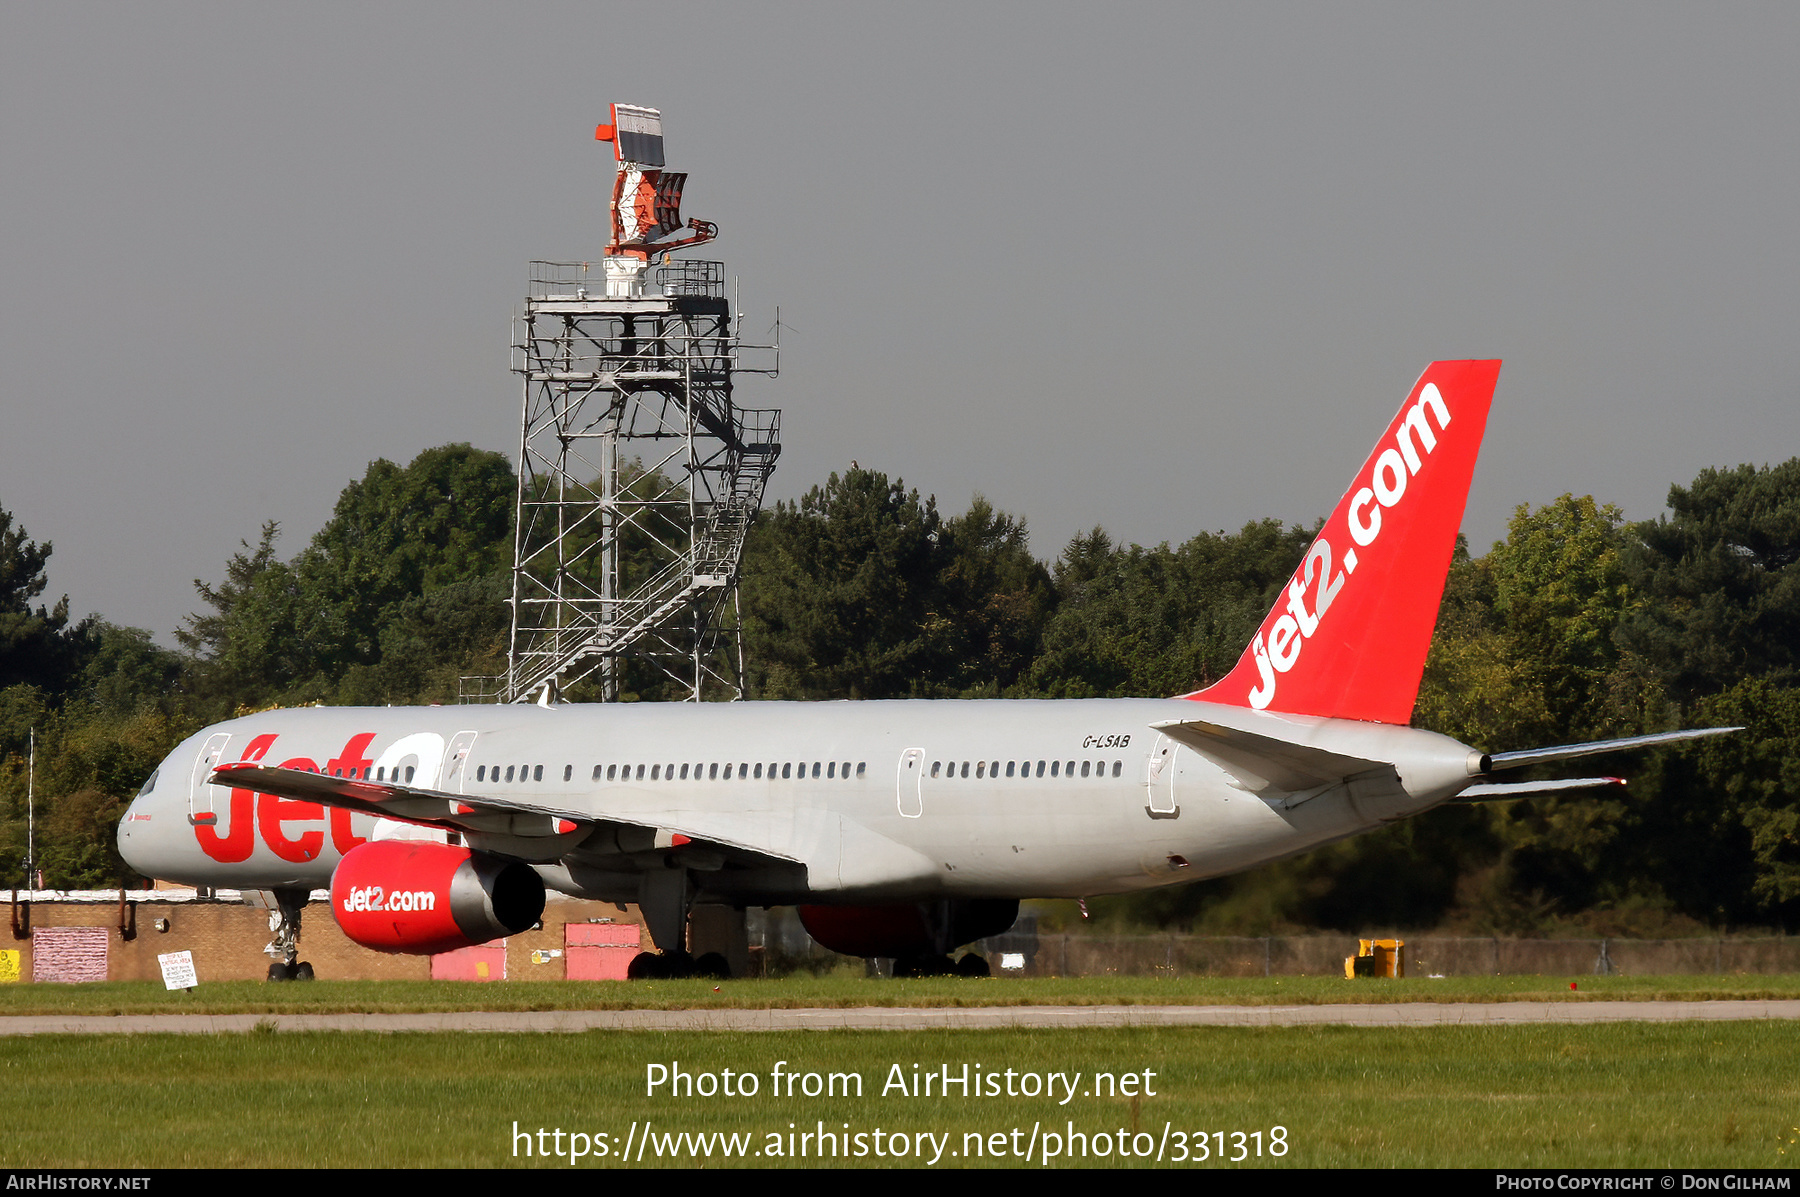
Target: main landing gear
[[284, 925], [657, 966], [971, 965], [666, 898]]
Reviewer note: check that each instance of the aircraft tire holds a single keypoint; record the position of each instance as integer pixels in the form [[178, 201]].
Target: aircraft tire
[[304, 971], [645, 966], [924, 966], [973, 965], [279, 971], [713, 966]]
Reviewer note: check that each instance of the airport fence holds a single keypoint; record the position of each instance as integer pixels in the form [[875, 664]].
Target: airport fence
[[1077, 955], [784, 945]]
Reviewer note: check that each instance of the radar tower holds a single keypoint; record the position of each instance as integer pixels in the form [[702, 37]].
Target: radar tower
[[639, 473]]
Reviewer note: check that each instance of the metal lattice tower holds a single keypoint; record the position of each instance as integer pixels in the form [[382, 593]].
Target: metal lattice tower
[[639, 474]]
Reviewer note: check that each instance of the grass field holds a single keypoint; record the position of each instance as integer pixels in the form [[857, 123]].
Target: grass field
[[1620, 1095], [257, 997]]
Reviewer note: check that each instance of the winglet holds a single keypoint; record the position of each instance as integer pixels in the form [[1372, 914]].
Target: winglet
[[1348, 637]]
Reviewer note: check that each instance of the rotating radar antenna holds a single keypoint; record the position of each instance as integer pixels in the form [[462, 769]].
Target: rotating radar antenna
[[640, 472]]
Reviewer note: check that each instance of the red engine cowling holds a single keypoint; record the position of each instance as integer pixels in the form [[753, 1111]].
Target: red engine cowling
[[908, 929], [424, 898]]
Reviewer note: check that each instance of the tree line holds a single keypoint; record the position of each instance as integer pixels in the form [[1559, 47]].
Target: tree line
[[1577, 625]]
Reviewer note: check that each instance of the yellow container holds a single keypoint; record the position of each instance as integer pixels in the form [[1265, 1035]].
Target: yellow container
[[1377, 958]]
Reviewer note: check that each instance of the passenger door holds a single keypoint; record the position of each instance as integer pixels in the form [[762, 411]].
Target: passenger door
[[909, 783], [1159, 781]]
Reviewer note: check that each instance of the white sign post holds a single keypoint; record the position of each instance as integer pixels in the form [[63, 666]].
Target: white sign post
[[178, 970]]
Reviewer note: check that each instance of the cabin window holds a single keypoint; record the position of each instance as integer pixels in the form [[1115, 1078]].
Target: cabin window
[[965, 768], [845, 772], [712, 772], [815, 770], [655, 772], [640, 771], [537, 774], [509, 772], [1054, 765], [743, 771], [1085, 765], [409, 774], [861, 768], [1009, 768], [481, 773], [684, 773], [758, 773], [935, 766], [568, 772], [1070, 771], [1117, 765], [787, 770], [980, 768]]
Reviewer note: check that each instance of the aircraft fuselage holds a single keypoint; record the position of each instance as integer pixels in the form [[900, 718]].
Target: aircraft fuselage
[[795, 802]]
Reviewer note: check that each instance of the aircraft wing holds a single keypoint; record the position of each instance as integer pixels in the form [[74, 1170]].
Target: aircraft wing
[[463, 813], [1262, 761]]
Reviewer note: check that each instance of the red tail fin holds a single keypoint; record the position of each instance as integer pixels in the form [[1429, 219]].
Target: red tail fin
[[1348, 637]]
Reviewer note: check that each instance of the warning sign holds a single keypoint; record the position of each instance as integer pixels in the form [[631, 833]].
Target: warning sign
[[178, 970]]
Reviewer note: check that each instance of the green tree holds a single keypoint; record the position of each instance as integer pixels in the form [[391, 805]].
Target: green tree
[[1718, 824], [318, 628], [397, 534], [248, 650], [37, 645], [841, 593], [1718, 581], [1136, 622], [995, 597]]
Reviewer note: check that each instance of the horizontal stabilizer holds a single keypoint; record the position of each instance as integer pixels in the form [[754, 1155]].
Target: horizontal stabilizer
[[1260, 762], [1502, 791], [1538, 756]]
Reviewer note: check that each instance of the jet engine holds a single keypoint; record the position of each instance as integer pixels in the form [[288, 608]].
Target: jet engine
[[423, 898], [908, 929]]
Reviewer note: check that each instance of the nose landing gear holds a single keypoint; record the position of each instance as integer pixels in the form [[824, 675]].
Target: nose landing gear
[[284, 908]]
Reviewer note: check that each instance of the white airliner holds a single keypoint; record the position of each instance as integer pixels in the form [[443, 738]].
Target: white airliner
[[901, 829]]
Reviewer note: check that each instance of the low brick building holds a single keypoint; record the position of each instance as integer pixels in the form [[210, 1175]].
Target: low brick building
[[57, 934]]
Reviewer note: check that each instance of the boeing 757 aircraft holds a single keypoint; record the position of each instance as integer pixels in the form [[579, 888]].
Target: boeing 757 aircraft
[[901, 829]]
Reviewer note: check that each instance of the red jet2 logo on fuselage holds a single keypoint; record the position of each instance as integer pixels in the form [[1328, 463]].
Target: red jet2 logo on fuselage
[[251, 812]]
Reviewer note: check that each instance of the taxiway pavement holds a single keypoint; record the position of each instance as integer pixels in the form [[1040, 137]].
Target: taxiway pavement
[[923, 1018]]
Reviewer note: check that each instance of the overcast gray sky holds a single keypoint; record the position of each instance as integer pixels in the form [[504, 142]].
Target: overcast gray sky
[[1161, 268]]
